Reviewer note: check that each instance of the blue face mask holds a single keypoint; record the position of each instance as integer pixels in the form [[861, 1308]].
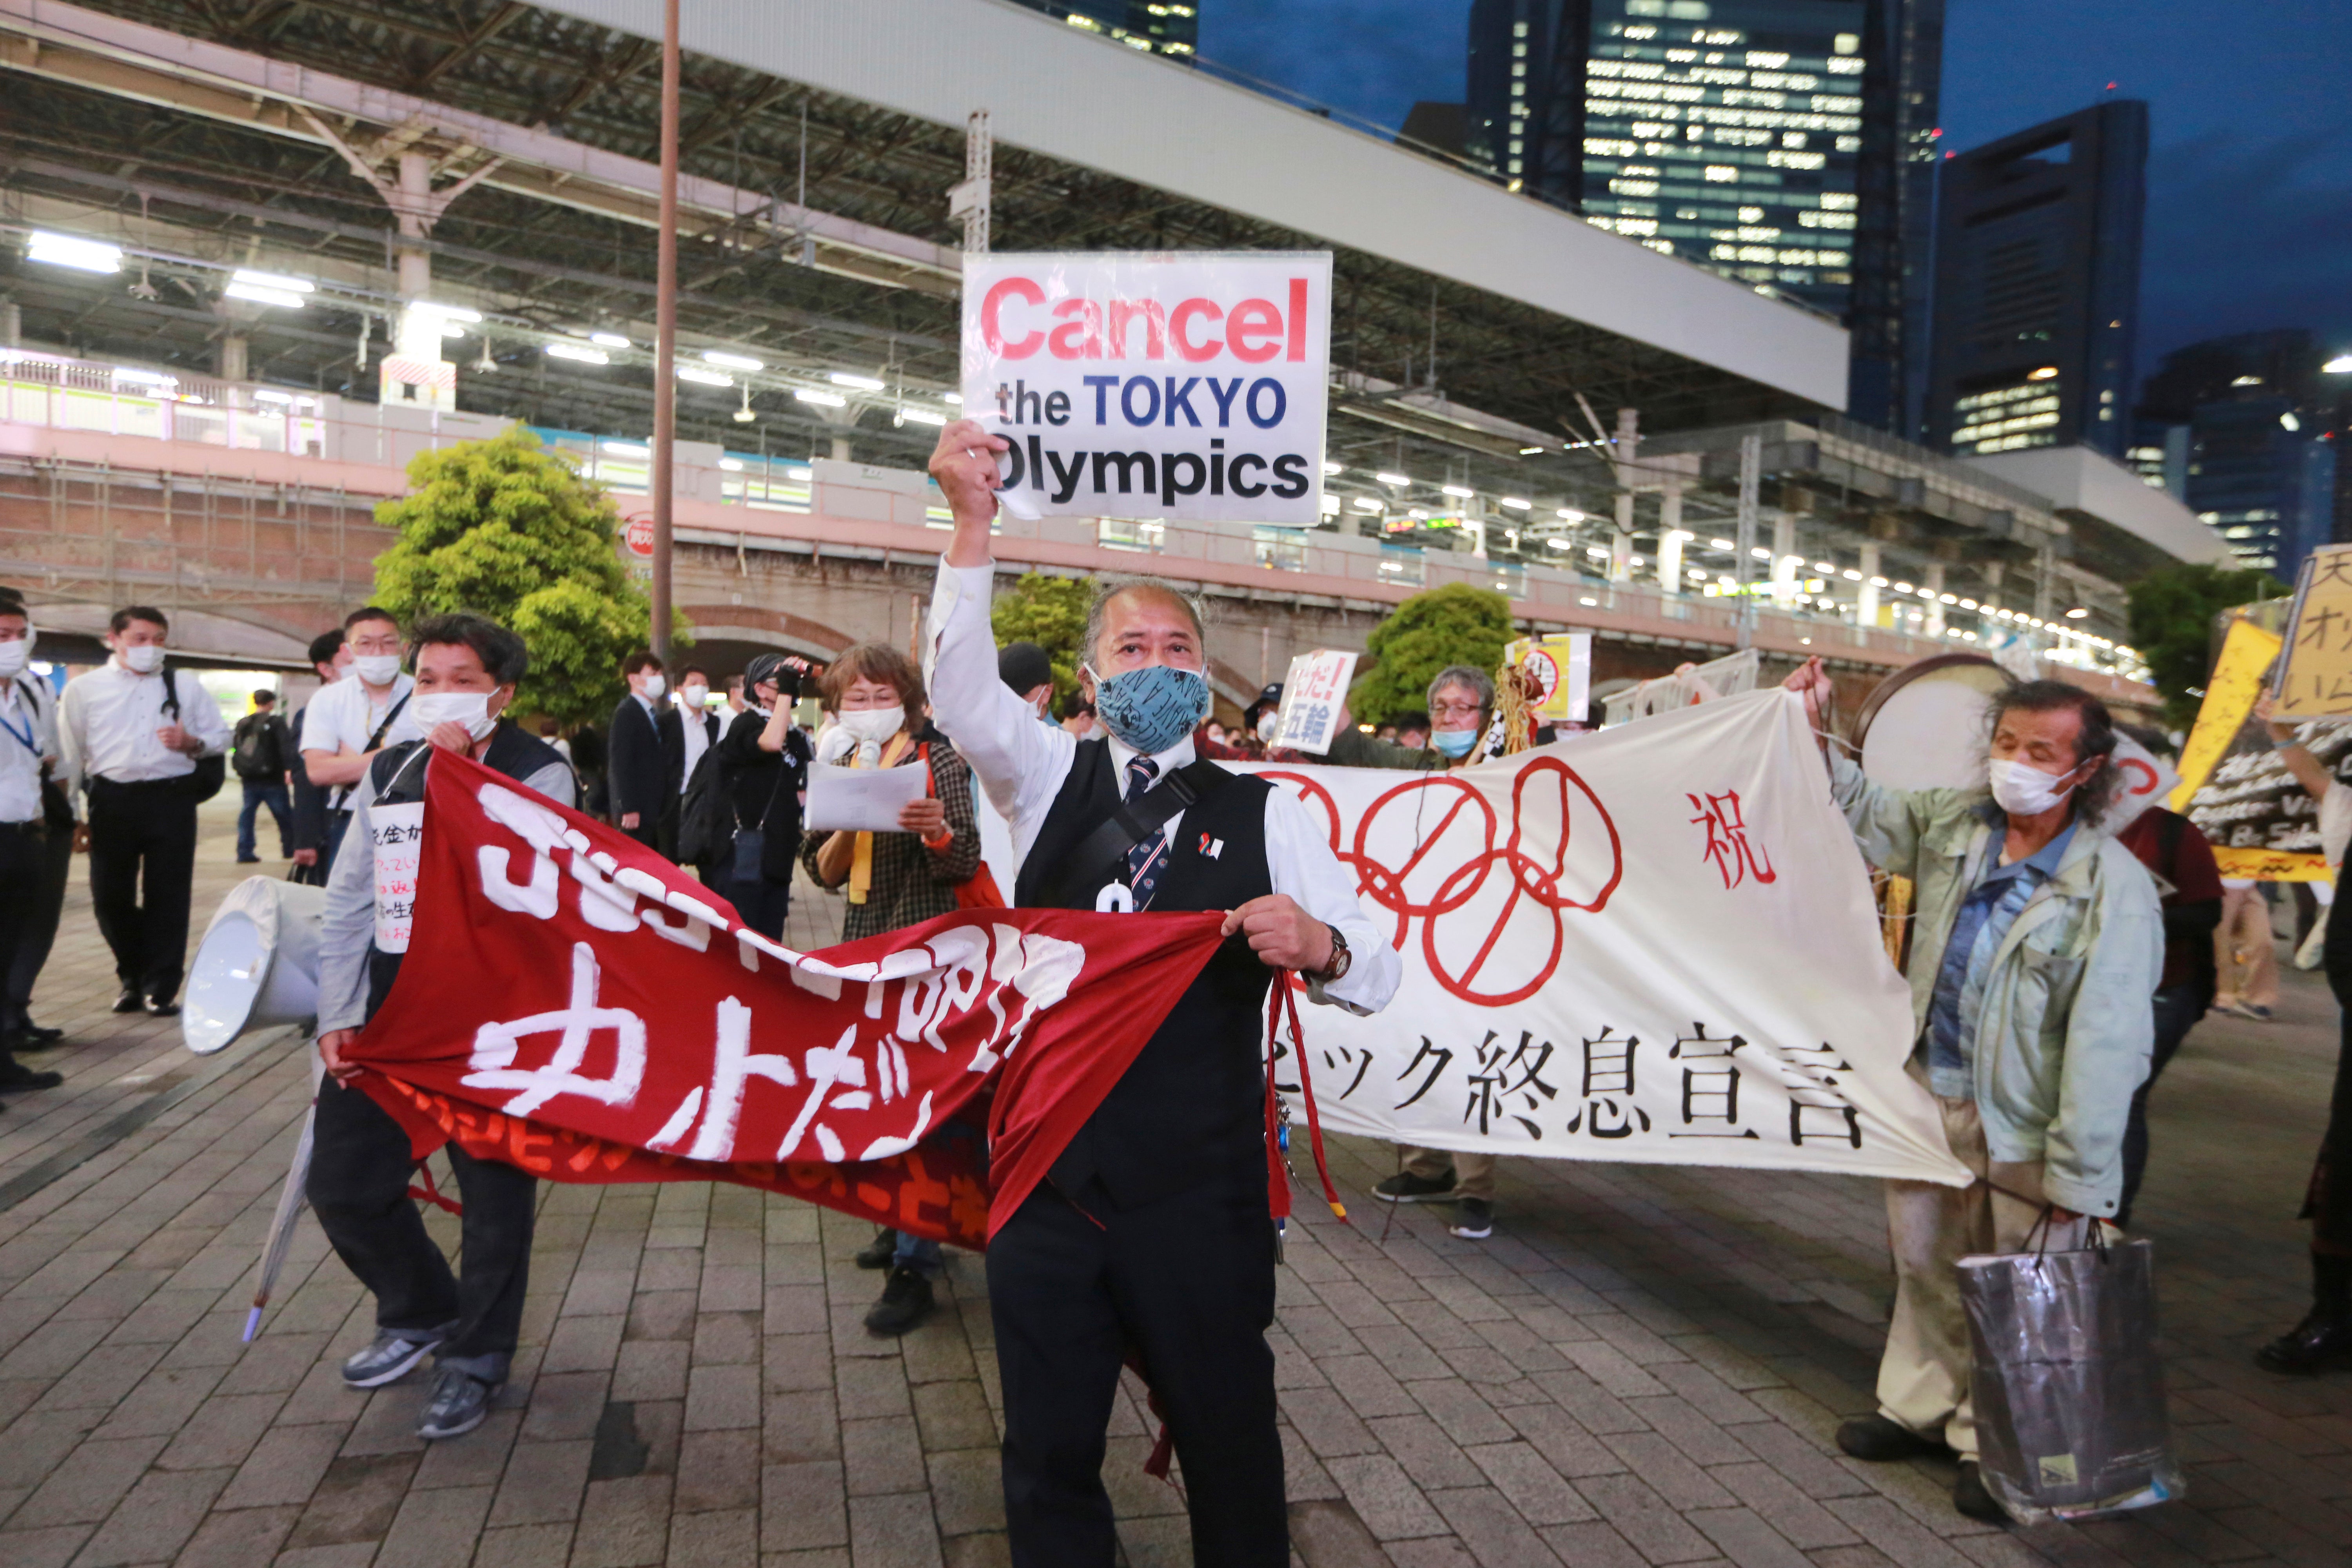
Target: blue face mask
[[1454, 743], [1153, 708]]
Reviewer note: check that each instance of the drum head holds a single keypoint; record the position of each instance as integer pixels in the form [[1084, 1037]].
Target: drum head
[[223, 984], [1924, 727]]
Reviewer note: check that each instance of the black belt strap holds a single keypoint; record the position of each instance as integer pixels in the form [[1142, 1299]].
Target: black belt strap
[[1102, 852]]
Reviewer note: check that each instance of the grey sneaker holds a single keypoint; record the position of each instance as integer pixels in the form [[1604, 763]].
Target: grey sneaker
[[1474, 1219], [390, 1358], [458, 1402]]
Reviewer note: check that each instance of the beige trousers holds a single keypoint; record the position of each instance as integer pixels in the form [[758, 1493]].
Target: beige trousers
[[2246, 952], [1923, 1380], [1473, 1174]]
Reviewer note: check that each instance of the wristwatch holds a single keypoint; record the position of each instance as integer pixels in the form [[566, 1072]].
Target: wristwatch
[[1340, 958]]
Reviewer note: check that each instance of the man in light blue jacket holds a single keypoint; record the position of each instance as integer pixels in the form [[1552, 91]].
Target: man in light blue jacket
[[2036, 946]]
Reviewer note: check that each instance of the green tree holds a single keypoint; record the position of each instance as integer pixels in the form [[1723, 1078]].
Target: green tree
[[509, 529], [1457, 624], [2172, 612], [1052, 612]]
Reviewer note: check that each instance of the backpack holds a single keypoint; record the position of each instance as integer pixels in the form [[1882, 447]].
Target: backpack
[[256, 754]]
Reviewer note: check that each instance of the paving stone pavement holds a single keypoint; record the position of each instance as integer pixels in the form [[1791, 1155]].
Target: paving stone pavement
[[1643, 1367]]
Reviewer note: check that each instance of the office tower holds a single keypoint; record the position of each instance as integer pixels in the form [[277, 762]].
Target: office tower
[[1158, 26], [1786, 144], [2261, 419], [2037, 286]]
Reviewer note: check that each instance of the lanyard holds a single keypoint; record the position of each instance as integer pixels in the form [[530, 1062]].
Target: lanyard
[[24, 735]]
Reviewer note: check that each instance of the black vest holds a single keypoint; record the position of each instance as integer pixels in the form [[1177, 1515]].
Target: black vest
[[511, 753], [1192, 1106]]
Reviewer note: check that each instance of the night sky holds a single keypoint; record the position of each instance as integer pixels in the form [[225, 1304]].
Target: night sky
[[2250, 106]]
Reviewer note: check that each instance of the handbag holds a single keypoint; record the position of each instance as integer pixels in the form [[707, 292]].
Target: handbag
[[211, 772], [2068, 1381]]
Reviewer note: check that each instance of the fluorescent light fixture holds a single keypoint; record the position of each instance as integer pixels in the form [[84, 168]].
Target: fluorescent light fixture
[[277, 280], [1588, 604], [1459, 493], [822, 399], [2077, 613], [573, 351], [446, 313], [255, 294], [1759, 552], [2047, 372], [1329, 469], [1556, 542], [842, 378], [1680, 533], [66, 250], [1968, 603], [1329, 504], [1824, 568], [1517, 504], [2340, 365], [626, 449], [732, 465], [1529, 451], [150, 377], [1903, 587], [1598, 551], [609, 341], [1879, 581], [732, 361], [286, 398], [921, 416], [1851, 575], [704, 377], [954, 397], [1569, 514], [1947, 598], [1394, 479], [1365, 503]]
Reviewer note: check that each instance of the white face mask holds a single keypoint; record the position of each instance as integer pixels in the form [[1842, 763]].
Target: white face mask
[[146, 658], [2024, 790], [471, 709], [873, 726], [16, 654], [654, 686], [377, 668], [697, 697]]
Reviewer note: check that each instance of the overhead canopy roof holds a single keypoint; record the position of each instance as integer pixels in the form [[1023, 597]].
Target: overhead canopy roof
[[2083, 483]]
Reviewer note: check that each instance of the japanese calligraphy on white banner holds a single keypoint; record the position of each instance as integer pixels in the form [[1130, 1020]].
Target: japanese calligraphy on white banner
[[1186, 385], [1654, 943]]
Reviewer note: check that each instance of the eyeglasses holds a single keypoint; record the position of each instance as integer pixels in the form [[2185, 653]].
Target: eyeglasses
[[1455, 709]]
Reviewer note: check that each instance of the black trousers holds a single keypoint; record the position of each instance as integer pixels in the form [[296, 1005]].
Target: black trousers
[[21, 871], [2177, 1011], [1190, 1281], [359, 1187], [143, 856]]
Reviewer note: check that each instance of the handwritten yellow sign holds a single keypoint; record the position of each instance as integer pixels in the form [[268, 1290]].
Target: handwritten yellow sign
[[2316, 682], [2229, 694]]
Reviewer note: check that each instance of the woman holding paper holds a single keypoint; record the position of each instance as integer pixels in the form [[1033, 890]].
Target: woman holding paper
[[875, 696]]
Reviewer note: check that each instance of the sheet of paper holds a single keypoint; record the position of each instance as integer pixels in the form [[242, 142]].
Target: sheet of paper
[[864, 800], [1312, 695]]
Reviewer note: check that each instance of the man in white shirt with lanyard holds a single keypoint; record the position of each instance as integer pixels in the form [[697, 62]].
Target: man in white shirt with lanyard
[[1153, 1228], [346, 724], [29, 741], [132, 732]]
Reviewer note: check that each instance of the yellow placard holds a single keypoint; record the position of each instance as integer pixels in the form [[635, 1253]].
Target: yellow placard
[[2273, 864], [2229, 695], [2316, 682]]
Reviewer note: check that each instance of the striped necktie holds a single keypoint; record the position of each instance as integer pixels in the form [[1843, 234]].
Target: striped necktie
[[1149, 858]]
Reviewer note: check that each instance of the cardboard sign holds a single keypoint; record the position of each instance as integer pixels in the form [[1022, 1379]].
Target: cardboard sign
[[1144, 385], [1313, 694], [2314, 679]]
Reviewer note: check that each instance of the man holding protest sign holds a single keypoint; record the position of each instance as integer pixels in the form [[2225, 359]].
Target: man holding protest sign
[[2034, 951], [466, 669], [1154, 1229]]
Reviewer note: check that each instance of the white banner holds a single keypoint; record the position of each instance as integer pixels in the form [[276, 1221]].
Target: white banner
[[1181, 385], [1653, 943]]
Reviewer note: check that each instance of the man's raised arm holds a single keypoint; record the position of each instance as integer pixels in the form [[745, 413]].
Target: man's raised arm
[[1017, 760]]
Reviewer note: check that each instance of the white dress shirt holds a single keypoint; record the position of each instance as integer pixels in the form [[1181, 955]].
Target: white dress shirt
[[108, 719], [695, 725], [28, 733], [1023, 763], [346, 715]]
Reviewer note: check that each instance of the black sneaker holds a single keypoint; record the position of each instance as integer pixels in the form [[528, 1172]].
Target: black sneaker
[[1971, 1497], [878, 1252], [906, 1302], [458, 1402], [389, 1359], [164, 1007], [1879, 1439], [1404, 1187], [1474, 1219], [38, 1035], [15, 1074], [130, 1001]]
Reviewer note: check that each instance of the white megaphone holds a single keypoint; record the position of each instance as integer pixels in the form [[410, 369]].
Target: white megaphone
[[258, 965]]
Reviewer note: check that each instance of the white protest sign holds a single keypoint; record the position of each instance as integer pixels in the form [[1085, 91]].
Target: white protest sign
[[1313, 695], [2145, 780], [1654, 943], [1178, 385], [396, 834]]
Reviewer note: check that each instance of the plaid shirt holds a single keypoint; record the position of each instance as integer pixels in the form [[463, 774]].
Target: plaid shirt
[[911, 884]]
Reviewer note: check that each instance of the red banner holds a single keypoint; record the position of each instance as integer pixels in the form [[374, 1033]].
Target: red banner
[[574, 1004]]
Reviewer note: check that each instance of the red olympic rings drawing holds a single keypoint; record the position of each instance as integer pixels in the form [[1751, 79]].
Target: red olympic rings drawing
[[1534, 877]]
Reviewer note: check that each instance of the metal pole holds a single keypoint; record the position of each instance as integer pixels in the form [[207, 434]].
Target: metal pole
[[1751, 481], [665, 333]]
